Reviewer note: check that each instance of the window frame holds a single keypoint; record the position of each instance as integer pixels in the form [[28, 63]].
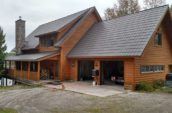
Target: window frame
[[158, 36], [18, 65], [47, 41], [33, 66], [152, 69], [25, 66]]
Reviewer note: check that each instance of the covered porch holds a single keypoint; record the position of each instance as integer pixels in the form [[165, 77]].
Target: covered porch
[[38, 66]]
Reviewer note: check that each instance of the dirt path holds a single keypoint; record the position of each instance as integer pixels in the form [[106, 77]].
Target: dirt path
[[42, 100]]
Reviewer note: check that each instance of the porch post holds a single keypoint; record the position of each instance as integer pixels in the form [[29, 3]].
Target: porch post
[[20, 70], [5, 62], [54, 70], [38, 73], [9, 65], [28, 71]]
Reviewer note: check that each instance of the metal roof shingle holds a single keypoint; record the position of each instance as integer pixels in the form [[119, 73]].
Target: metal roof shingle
[[53, 26], [123, 36]]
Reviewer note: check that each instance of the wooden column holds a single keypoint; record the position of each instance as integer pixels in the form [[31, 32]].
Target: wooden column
[[5, 62], [97, 66], [38, 72], [15, 75], [28, 71], [54, 70], [21, 70], [9, 65], [129, 82]]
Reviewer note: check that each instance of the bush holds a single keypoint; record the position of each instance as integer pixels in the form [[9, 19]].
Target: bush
[[158, 84], [144, 86]]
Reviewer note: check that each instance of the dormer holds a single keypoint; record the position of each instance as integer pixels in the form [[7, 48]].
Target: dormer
[[47, 41]]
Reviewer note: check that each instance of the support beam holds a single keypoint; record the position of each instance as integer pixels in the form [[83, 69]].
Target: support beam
[[21, 70], [5, 62], [54, 70], [97, 66], [28, 71], [9, 65], [38, 72]]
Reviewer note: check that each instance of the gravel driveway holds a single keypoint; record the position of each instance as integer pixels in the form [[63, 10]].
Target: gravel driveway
[[43, 100]]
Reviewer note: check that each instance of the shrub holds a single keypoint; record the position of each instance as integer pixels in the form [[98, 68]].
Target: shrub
[[158, 84], [144, 86]]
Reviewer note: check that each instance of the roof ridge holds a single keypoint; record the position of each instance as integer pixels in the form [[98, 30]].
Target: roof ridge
[[137, 12], [67, 16]]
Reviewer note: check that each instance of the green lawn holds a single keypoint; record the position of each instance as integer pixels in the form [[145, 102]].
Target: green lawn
[[18, 86], [165, 90], [7, 110]]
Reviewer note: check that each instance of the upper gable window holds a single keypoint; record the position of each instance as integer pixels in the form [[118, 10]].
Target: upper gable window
[[47, 42], [158, 39]]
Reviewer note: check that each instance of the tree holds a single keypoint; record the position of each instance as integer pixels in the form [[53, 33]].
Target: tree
[[110, 13], [153, 3], [123, 7], [3, 48]]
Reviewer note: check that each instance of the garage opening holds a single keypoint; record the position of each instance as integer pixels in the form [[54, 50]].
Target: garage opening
[[112, 72], [85, 68]]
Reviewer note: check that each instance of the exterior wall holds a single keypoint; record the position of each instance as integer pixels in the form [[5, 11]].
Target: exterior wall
[[23, 74], [71, 42], [129, 74], [154, 55]]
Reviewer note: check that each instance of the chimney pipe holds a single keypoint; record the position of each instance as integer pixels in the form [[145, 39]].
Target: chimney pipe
[[20, 35]]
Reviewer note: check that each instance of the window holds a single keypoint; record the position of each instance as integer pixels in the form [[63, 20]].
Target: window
[[158, 39], [24, 66], [33, 66], [12, 64], [18, 65], [47, 41], [151, 68], [7, 64]]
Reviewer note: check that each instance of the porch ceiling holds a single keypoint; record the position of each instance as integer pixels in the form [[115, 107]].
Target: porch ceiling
[[33, 57]]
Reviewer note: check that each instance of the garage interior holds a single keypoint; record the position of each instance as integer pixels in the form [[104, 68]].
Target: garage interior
[[85, 68], [112, 72]]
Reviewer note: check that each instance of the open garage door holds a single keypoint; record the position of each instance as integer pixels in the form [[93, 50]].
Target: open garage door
[[85, 70], [112, 72]]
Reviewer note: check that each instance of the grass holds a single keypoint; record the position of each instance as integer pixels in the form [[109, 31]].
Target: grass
[[104, 108], [18, 86], [165, 90], [7, 110]]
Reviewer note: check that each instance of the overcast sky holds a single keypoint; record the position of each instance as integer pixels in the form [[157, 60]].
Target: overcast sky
[[37, 12]]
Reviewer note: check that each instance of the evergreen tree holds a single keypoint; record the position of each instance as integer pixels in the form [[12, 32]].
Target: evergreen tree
[[3, 48]]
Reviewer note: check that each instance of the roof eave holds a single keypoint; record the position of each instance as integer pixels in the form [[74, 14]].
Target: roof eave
[[92, 57]]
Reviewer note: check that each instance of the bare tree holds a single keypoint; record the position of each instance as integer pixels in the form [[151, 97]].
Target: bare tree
[[123, 7], [153, 3], [110, 13]]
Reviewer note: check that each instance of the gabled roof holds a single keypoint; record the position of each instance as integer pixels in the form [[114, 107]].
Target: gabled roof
[[75, 27], [32, 57], [53, 26], [123, 36]]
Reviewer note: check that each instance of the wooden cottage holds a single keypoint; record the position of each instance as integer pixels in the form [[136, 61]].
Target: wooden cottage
[[132, 48]]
